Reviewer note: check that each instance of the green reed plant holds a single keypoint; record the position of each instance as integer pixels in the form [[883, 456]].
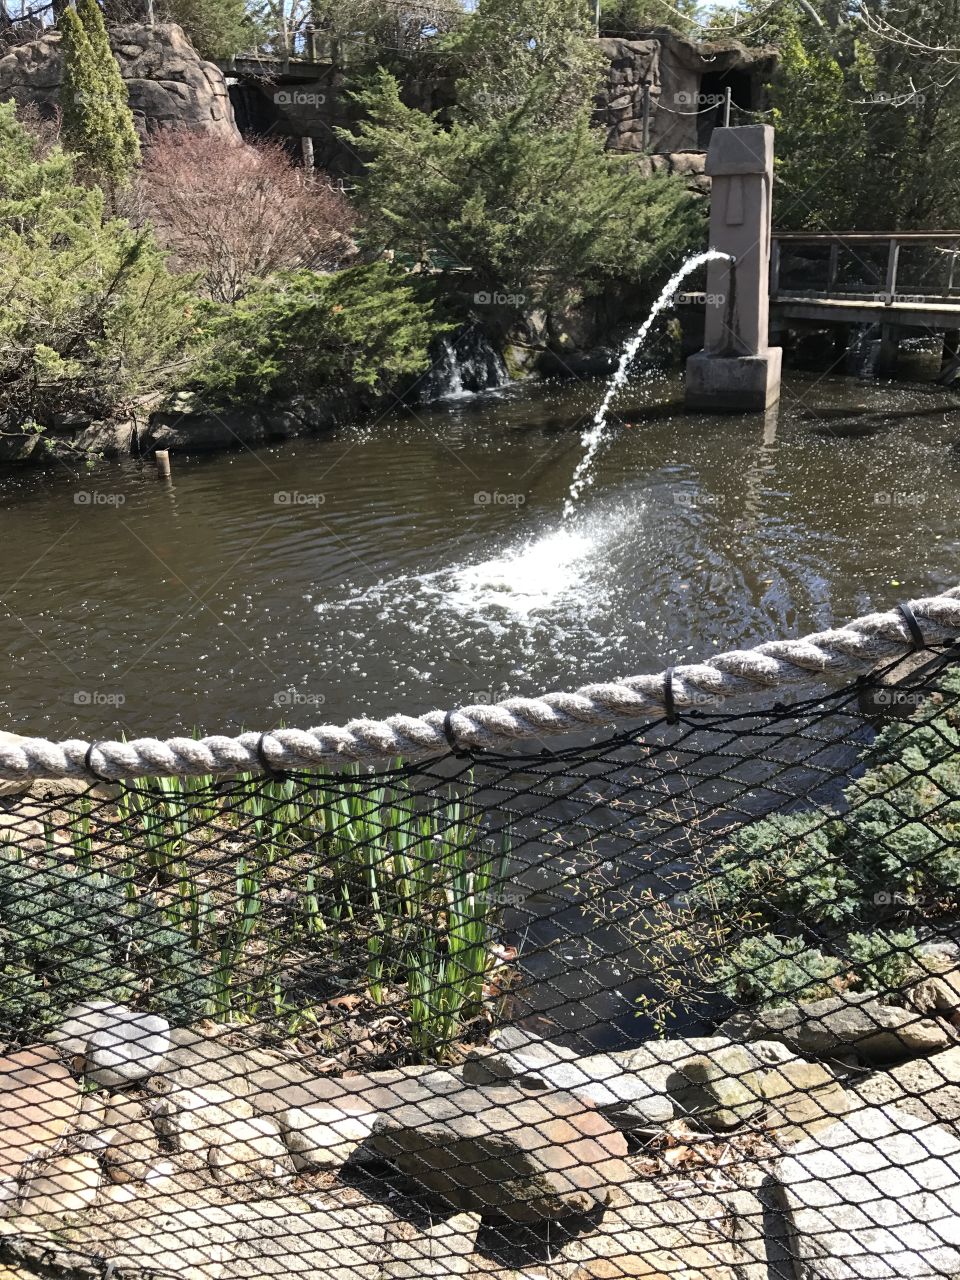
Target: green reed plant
[[235, 934], [399, 883]]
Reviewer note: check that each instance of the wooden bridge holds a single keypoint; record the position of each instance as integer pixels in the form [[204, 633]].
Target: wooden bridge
[[894, 280], [908, 278]]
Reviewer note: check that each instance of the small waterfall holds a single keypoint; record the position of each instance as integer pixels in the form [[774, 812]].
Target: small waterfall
[[463, 364], [592, 436]]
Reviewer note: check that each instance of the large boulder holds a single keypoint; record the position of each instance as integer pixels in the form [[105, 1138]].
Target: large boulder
[[168, 83], [506, 1153], [856, 1022], [875, 1196]]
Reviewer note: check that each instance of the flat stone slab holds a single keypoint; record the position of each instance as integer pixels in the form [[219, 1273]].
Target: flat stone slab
[[632, 1086], [277, 1089], [197, 1060], [690, 1237], [199, 1236], [857, 1022], [874, 1197], [526, 1157], [927, 1087]]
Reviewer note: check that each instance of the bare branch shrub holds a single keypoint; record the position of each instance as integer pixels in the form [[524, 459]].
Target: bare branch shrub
[[236, 213], [43, 124]]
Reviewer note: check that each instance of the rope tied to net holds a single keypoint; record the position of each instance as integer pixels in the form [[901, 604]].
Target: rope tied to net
[[845, 650]]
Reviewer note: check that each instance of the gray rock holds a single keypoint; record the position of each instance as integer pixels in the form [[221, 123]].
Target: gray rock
[[127, 1049], [129, 1142], [927, 1087], [130, 1152], [324, 1135], [721, 1092], [248, 1150], [80, 1022], [168, 84], [276, 1090], [631, 1086], [801, 1098], [657, 1234], [441, 1251], [13, 788], [875, 1196], [198, 1233], [856, 1021], [194, 1120], [506, 1153]]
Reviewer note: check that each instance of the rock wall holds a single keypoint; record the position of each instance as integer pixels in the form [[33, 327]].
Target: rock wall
[[685, 84], [169, 84]]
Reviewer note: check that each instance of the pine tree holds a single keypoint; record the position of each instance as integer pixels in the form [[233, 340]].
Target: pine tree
[[97, 122], [91, 318], [516, 190], [215, 28]]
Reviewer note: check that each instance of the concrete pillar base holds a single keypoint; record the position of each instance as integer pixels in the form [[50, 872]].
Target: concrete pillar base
[[724, 384]]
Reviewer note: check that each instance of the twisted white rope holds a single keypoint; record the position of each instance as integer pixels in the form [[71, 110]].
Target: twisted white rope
[[878, 637]]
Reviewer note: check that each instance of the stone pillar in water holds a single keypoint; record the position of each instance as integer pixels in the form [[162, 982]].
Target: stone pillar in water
[[737, 368]]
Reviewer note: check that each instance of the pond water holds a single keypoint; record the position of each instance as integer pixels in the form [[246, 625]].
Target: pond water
[[422, 559]]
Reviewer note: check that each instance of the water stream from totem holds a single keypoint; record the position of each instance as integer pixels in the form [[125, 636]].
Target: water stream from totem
[[422, 560]]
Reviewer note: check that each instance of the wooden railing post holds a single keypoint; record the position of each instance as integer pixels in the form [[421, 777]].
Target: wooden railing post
[[953, 266], [834, 265], [893, 263], [774, 267]]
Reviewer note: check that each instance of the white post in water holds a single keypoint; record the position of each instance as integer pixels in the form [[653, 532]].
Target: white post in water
[[737, 368]]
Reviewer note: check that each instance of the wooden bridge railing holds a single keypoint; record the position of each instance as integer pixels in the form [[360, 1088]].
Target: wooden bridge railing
[[859, 244]]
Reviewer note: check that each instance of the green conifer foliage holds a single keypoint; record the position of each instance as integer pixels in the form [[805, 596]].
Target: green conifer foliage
[[97, 122]]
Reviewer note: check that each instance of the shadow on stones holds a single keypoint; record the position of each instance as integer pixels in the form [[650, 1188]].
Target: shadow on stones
[[501, 1241]]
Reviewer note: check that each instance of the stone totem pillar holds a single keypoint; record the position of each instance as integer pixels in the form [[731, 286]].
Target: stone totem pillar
[[737, 368]]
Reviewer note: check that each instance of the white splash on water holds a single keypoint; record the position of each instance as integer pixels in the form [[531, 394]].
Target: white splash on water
[[527, 579], [559, 576], [592, 436]]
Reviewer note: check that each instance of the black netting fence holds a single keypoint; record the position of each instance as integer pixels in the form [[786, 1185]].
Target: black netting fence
[[680, 1001]]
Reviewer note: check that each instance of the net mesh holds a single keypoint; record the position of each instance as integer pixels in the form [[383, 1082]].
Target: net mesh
[[678, 1001]]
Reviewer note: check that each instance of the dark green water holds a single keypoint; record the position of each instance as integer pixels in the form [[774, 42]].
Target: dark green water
[[422, 561]]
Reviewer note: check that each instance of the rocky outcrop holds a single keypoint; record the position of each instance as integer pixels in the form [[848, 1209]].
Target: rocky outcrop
[[682, 82], [188, 430], [169, 84], [633, 1087]]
